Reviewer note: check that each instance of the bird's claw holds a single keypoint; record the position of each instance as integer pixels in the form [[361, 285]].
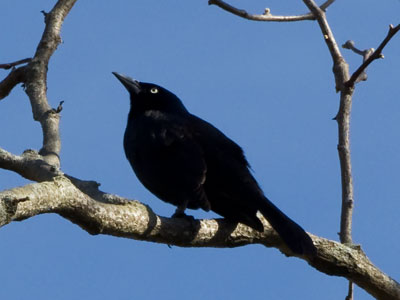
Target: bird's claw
[[190, 219], [182, 215]]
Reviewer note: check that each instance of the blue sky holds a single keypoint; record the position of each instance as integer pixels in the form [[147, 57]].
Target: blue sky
[[268, 86]]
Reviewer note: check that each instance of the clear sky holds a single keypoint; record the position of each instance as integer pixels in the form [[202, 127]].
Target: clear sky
[[268, 86]]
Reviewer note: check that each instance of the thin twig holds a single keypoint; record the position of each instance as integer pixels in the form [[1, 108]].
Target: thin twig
[[351, 46], [377, 54], [59, 107], [326, 4], [343, 147], [326, 31], [364, 53], [350, 292], [266, 16], [15, 63]]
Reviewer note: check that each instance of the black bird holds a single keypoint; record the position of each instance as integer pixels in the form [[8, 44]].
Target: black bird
[[187, 162]]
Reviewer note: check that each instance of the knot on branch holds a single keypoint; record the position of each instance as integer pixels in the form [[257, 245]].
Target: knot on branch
[[267, 12], [46, 16], [37, 168], [8, 208], [350, 203]]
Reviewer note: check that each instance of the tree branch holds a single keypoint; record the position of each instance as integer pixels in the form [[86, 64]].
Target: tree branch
[[350, 293], [131, 219], [341, 72], [266, 16], [30, 165], [343, 120], [15, 77], [15, 63], [36, 82], [340, 67], [82, 203], [375, 55], [365, 54]]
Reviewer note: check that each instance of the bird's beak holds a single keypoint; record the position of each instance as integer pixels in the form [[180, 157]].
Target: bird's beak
[[132, 85]]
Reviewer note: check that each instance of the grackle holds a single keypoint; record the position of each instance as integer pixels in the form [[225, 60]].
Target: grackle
[[187, 162]]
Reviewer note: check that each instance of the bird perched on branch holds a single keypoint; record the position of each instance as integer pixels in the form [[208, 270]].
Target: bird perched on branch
[[187, 162]]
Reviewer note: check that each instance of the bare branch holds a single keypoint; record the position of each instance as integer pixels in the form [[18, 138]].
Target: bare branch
[[340, 67], [326, 4], [266, 16], [341, 72], [375, 55], [343, 120], [364, 53], [15, 77], [96, 212], [350, 45], [36, 85], [350, 291], [15, 63], [30, 165], [131, 219]]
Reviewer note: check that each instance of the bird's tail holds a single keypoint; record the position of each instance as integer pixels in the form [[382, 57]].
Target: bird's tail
[[291, 233]]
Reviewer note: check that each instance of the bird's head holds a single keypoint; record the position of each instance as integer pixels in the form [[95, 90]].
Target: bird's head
[[149, 96]]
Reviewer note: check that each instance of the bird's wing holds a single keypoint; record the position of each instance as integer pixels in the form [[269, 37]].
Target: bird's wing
[[173, 168], [231, 189], [217, 143]]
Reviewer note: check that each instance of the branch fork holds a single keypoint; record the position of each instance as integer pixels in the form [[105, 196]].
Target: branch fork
[[369, 56]]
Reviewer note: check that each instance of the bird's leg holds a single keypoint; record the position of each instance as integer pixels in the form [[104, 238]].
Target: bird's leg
[[180, 212]]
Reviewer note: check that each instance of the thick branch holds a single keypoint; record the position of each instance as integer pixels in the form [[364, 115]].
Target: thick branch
[[266, 16], [131, 219], [98, 212], [36, 85]]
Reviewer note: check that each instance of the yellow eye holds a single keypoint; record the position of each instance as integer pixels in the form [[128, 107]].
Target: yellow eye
[[154, 90]]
